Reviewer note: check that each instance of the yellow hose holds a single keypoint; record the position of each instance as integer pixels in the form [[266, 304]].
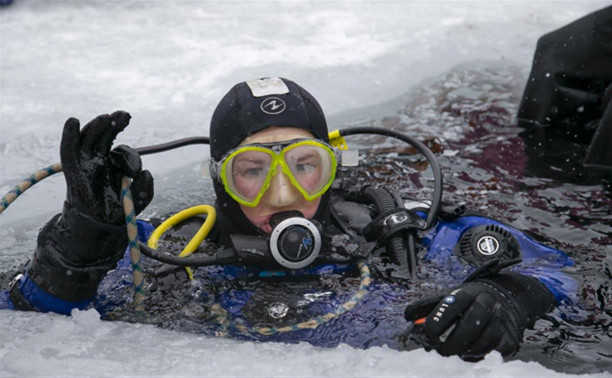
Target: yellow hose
[[181, 216]]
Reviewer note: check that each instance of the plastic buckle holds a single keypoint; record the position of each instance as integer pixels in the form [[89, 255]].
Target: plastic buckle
[[336, 140], [389, 223], [205, 170], [349, 158]]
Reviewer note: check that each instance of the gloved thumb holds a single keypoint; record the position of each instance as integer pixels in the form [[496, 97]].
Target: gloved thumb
[[142, 190], [127, 160]]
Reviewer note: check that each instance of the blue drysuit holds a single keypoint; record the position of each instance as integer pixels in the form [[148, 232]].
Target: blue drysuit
[[231, 300]]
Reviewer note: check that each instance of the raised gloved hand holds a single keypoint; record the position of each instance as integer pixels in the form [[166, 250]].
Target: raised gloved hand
[[77, 248], [93, 173], [489, 311]]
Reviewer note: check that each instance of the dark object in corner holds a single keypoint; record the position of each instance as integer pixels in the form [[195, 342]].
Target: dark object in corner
[[569, 89]]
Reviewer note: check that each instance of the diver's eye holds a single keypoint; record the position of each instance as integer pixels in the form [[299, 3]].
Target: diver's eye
[[250, 165], [254, 171], [304, 168], [250, 171], [304, 164]]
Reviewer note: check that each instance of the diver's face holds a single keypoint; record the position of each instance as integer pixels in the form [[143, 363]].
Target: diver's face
[[281, 195]]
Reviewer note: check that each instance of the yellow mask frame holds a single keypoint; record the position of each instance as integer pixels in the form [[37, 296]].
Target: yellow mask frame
[[277, 153]]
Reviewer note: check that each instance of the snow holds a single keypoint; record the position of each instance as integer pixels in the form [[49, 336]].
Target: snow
[[168, 63], [83, 345]]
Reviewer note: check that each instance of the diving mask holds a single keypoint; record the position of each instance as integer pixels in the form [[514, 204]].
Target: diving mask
[[246, 171]]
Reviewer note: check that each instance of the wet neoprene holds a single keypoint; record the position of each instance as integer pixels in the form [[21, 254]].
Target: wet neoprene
[[239, 114], [572, 67], [483, 314], [566, 90], [77, 247]]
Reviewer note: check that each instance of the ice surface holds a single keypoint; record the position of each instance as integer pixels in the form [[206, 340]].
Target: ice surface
[[83, 345], [168, 63]]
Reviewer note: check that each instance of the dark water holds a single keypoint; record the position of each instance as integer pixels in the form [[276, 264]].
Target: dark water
[[533, 182]]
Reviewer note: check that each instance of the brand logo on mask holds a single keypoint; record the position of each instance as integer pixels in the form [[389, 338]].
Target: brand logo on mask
[[487, 245], [273, 105]]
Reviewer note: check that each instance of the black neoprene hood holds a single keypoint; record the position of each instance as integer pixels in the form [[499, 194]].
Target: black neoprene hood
[[244, 111], [240, 114]]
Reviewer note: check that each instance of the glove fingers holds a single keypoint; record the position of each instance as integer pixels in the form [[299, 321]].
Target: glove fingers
[[120, 120], [70, 145], [501, 335], [470, 328], [448, 311], [142, 190], [486, 343], [92, 132], [98, 135], [422, 307], [511, 331], [126, 159]]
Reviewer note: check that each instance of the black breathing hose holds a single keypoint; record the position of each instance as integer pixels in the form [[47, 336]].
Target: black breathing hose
[[172, 145], [395, 245], [436, 201], [222, 257]]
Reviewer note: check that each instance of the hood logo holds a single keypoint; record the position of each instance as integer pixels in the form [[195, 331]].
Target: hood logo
[[273, 105], [487, 245]]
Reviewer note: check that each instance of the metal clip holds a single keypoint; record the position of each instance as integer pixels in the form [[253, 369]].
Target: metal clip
[[14, 281]]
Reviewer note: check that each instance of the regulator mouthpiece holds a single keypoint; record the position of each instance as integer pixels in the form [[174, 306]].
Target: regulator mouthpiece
[[294, 243]]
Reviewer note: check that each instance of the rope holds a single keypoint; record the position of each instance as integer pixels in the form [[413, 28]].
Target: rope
[[36, 177], [130, 221], [132, 231], [225, 323]]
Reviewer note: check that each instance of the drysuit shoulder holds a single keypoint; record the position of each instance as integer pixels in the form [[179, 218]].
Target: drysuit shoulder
[[572, 68]]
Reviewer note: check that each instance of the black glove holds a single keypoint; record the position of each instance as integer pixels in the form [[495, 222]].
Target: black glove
[[487, 312], [77, 248], [93, 173]]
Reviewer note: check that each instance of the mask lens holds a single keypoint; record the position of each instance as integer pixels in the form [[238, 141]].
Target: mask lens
[[246, 173], [311, 165]]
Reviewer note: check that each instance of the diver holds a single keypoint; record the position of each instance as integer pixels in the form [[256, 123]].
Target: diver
[[283, 209]]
